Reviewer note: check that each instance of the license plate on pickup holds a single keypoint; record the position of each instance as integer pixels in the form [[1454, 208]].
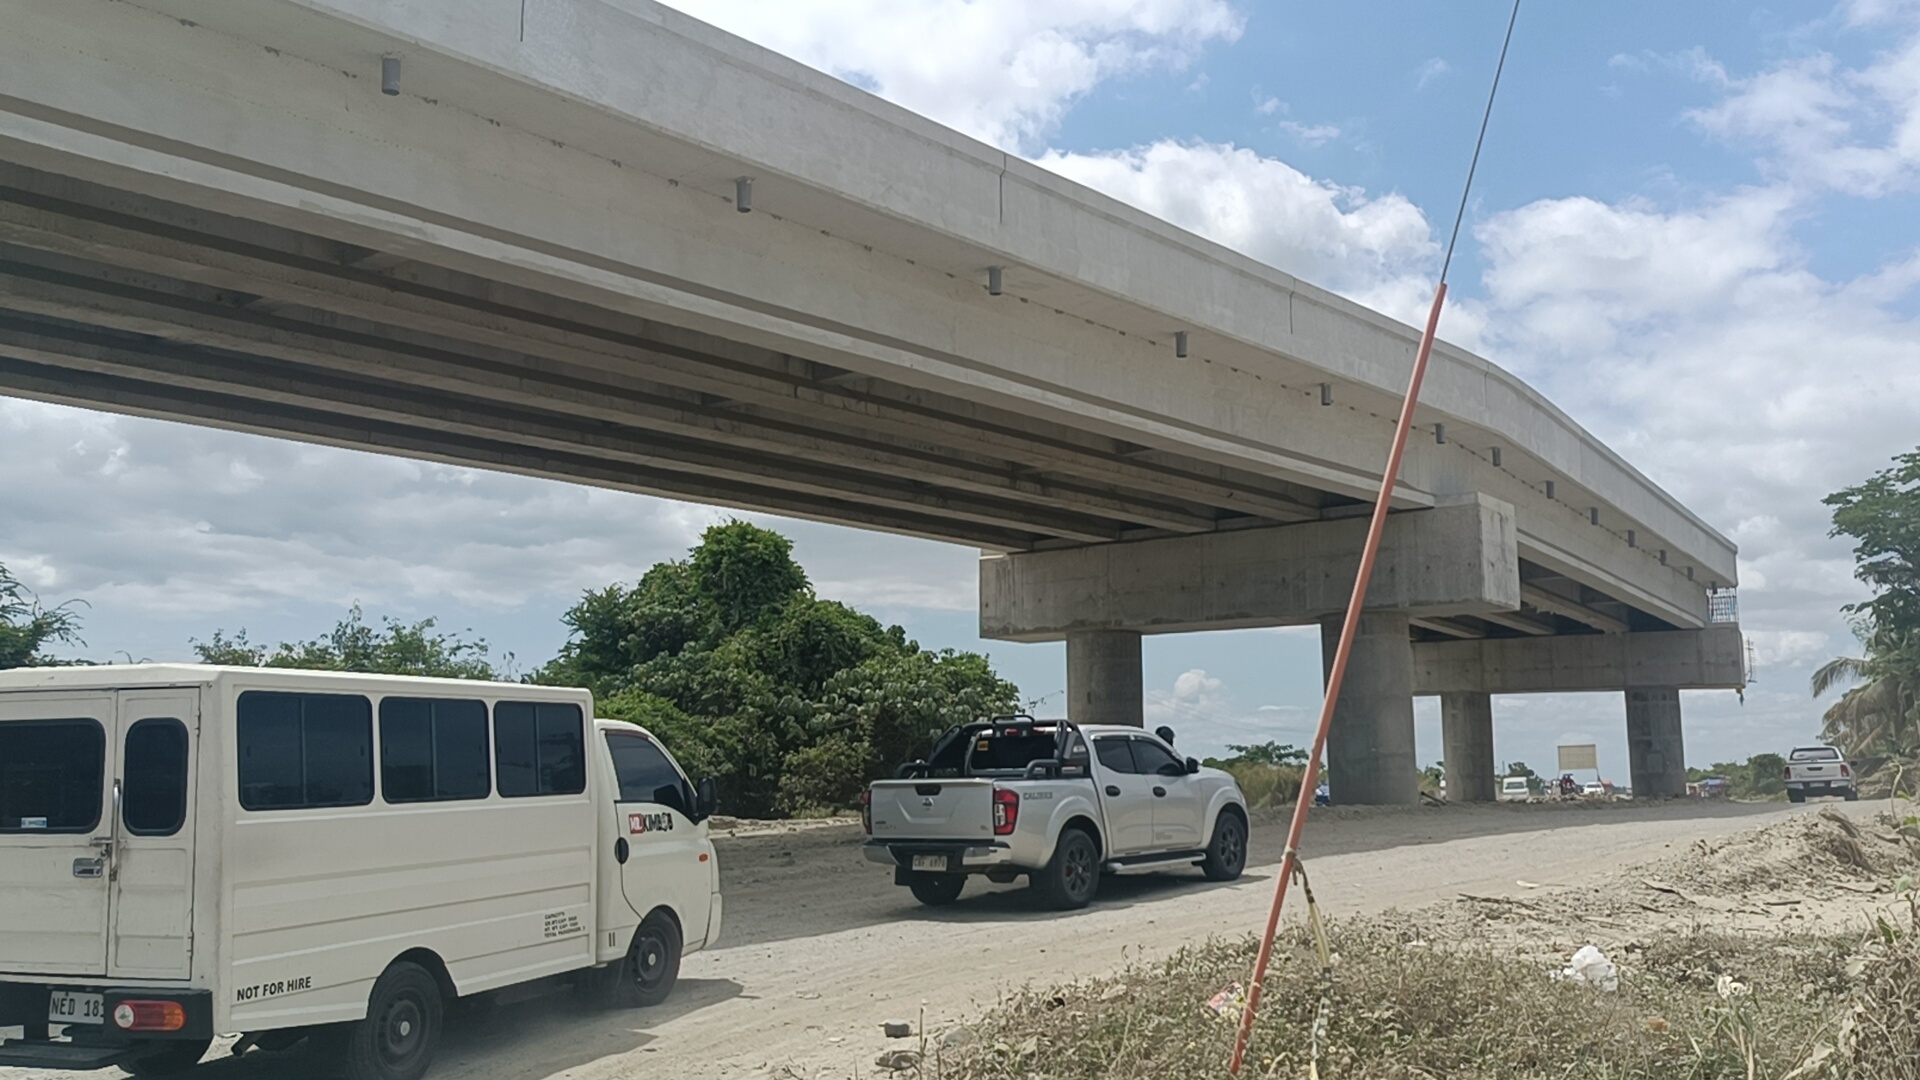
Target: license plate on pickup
[[67, 1007], [935, 863]]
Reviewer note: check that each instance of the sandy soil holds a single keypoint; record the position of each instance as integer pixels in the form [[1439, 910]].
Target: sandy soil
[[821, 948]]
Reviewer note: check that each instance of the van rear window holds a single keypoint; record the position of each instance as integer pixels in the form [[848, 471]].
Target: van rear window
[[51, 775], [302, 750], [539, 748]]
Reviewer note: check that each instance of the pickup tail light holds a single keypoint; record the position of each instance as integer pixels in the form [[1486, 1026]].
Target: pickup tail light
[[1844, 770], [1006, 811], [866, 811], [149, 1016], [1786, 773]]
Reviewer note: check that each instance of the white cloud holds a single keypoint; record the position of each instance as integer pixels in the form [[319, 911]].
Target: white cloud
[[1001, 70], [1430, 71], [1267, 106], [1851, 129], [1310, 134]]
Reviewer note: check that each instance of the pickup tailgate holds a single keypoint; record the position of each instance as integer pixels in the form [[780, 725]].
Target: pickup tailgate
[[1816, 770], [908, 810]]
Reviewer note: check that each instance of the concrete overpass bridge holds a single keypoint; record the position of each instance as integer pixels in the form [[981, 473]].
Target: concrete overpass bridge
[[599, 241]]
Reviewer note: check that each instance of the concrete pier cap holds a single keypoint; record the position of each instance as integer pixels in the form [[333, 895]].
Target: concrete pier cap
[[1458, 558]]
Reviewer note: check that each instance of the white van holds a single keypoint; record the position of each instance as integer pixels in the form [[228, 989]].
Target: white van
[[189, 850]]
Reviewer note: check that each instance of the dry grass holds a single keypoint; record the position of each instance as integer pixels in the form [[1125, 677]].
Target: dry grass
[[1403, 1009]]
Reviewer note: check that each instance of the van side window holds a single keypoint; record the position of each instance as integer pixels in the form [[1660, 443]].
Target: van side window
[[646, 775], [539, 748], [52, 774], [156, 777], [433, 749], [1114, 755], [300, 750]]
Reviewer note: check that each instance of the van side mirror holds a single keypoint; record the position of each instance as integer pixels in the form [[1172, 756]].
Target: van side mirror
[[1193, 765], [706, 799]]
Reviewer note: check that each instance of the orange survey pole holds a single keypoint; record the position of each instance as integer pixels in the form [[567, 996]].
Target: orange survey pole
[[1351, 624], [1339, 673]]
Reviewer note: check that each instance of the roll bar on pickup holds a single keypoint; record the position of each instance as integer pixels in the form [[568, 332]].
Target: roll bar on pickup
[[1010, 725]]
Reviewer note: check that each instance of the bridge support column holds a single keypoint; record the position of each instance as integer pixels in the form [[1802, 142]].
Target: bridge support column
[[1103, 678], [1656, 751], [1466, 736], [1370, 757]]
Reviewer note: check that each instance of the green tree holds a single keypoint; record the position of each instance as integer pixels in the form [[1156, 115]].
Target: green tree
[[790, 702], [27, 627], [1879, 716], [395, 648], [1535, 784]]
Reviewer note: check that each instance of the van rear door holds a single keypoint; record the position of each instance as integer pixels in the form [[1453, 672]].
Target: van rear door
[[56, 832], [153, 858]]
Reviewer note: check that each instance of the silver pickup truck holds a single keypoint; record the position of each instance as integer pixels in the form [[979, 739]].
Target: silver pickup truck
[[1819, 770], [1057, 802]]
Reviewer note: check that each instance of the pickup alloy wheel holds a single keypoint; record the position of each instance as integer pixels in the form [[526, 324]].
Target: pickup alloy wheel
[[1073, 874]]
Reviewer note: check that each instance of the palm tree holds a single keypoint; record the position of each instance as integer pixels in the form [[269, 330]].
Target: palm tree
[[1879, 717]]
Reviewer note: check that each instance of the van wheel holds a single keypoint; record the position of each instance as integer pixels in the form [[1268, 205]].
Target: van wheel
[[937, 890], [1227, 852], [646, 975], [398, 1038], [168, 1058], [1073, 874]]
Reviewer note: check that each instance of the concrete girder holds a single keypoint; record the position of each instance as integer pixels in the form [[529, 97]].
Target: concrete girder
[[447, 414], [1455, 559], [449, 304], [69, 387], [340, 351], [1712, 658], [1514, 620], [1554, 604], [1450, 627]]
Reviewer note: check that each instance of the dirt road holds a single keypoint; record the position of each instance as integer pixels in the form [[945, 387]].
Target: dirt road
[[821, 948]]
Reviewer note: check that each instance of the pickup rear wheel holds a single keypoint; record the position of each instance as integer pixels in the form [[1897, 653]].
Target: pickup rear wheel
[[1852, 795], [1796, 796], [1227, 852], [937, 890], [1071, 877]]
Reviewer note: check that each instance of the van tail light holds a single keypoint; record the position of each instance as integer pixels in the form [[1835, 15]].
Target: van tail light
[[1006, 811], [149, 1016], [1844, 770], [866, 811]]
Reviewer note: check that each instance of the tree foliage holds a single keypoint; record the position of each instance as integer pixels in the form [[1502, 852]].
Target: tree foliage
[[395, 648], [27, 626], [790, 702], [1879, 716], [1759, 777]]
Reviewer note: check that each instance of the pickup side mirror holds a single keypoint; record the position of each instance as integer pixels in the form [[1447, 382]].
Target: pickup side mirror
[[706, 799], [1193, 765]]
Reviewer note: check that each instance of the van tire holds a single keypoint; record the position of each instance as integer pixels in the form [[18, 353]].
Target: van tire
[[1227, 851], [647, 974], [937, 890], [401, 1033], [1072, 876], [169, 1058]]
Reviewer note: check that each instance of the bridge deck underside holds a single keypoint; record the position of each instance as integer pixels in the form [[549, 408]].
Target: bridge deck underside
[[121, 302]]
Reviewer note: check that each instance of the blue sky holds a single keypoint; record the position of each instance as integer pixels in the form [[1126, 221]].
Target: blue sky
[[1695, 228]]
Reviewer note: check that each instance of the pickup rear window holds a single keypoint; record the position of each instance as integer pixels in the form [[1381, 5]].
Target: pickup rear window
[[1009, 753], [1815, 753]]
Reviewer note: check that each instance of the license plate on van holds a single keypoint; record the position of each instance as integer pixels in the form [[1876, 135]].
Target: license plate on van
[[67, 1007], [935, 863]]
